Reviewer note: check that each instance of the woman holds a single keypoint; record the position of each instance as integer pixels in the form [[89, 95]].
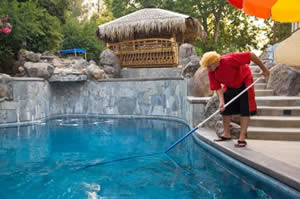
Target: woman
[[229, 75]]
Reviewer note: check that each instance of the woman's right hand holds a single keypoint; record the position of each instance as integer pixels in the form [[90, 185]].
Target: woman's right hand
[[266, 73]]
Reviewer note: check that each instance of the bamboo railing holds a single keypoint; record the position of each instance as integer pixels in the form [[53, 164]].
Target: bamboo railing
[[154, 52]]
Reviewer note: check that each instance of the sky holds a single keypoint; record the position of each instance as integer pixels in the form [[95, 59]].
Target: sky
[[92, 6]]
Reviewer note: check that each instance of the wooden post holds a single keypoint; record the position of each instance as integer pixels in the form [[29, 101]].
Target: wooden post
[[175, 51]]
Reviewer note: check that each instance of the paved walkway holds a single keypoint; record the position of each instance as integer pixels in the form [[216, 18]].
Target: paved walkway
[[285, 151], [279, 159]]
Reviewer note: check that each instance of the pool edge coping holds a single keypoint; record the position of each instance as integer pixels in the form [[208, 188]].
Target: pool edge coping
[[55, 116], [255, 160]]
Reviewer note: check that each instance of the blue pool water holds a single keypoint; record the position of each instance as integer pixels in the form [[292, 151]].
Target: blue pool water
[[55, 160]]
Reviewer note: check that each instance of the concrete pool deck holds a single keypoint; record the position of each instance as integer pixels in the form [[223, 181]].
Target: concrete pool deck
[[278, 159]]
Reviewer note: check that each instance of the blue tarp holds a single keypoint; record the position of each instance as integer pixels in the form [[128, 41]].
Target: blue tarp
[[69, 51], [271, 50]]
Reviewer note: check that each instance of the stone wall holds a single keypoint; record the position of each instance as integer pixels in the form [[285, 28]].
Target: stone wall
[[30, 101], [36, 99], [150, 72]]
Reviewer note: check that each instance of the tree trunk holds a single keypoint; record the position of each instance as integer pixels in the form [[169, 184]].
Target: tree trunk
[[217, 15]]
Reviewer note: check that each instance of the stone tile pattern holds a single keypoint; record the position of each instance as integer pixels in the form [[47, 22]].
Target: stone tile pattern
[[34, 100], [30, 102]]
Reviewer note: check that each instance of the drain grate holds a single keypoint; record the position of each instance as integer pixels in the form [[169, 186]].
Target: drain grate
[[287, 112]]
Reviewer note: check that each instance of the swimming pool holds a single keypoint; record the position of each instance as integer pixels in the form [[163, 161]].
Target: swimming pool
[[62, 159]]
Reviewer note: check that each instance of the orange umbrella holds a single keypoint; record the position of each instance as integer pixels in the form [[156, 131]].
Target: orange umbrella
[[280, 10]]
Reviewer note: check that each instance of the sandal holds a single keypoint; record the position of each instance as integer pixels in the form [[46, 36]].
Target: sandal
[[222, 138], [240, 144]]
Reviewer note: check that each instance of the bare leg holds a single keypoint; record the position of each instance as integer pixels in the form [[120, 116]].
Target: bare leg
[[226, 124], [244, 127]]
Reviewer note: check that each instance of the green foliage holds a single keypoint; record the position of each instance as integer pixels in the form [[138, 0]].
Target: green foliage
[[49, 25], [40, 25], [82, 36], [280, 32], [228, 29], [33, 28], [106, 16], [76, 9], [56, 8]]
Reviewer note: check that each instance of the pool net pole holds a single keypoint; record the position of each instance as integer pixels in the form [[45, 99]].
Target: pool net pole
[[212, 115]]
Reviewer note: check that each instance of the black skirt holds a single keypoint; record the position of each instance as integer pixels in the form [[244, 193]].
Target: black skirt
[[238, 106]]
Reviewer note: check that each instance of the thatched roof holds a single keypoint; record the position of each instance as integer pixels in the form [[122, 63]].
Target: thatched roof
[[148, 21]]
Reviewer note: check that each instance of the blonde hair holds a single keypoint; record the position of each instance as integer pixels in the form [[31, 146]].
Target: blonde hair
[[210, 58]]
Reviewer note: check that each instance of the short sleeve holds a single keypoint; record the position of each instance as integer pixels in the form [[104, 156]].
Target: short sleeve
[[213, 83]]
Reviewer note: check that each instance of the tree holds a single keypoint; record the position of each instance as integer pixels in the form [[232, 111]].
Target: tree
[[56, 8], [228, 28], [280, 32], [33, 28], [82, 36]]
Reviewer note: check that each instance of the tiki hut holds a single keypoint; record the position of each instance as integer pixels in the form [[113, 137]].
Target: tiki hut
[[149, 37]]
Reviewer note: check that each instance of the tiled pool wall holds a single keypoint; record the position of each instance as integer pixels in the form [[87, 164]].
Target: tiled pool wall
[[30, 101], [35, 99]]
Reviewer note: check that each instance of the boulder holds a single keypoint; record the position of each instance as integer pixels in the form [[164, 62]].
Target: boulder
[[33, 57], [20, 72], [6, 91], [192, 66], [216, 122], [288, 50], [57, 63], [211, 107], [201, 83], [234, 129], [64, 78], [284, 80], [95, 72], [111, 63], [79, 64], [185, 50], [25, 55], [42, 70]]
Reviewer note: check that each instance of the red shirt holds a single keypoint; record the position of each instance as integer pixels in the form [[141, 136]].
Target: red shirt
[[231, 72]]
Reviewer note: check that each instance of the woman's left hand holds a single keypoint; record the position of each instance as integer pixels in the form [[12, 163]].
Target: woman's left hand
[[221, 107]]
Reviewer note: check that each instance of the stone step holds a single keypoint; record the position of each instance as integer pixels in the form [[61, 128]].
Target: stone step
[[278, 110], [278, 100], [260, 100], [263, 92], [261, 80], [264, 133], [275, 121], [255, 69], [260, 86], [256, 75]]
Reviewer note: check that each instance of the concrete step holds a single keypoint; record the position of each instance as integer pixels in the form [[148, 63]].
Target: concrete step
[[264, 133], [275, 121], [255, 70], [278, 100], [260, 100], [263, 92], [262, 80], [278, 110], [260, 86], [256, 75]]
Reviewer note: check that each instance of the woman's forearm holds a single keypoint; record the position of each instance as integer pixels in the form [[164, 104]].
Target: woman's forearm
[[221, 100], [257, 61], [220, 96]]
